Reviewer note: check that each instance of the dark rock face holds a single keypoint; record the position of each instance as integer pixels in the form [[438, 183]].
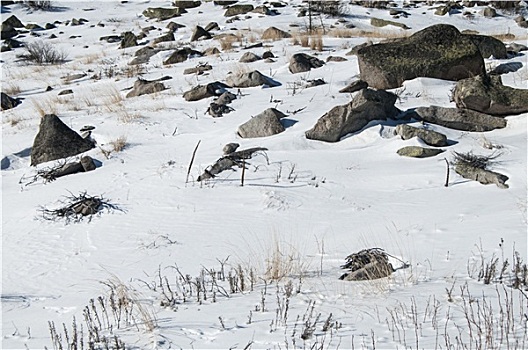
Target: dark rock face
[[354, 86], [489, 46], [186, 4], [199, 33], [485, 177], [129, 40], [439, 51], [181, 55], [204, 91], [301, 62], [486, 94], [366, 106], [55, 140], [9, 102], [460, 119]]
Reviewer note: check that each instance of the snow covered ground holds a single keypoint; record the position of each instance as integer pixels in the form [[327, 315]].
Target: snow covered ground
[[150, 274]]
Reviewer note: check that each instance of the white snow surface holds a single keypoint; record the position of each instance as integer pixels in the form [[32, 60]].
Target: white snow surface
[[306, 203]]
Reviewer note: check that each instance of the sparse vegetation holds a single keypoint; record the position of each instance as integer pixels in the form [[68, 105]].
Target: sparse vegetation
[[41, 52]]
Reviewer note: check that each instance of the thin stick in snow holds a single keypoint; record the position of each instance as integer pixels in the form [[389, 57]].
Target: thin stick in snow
[[192, 161]]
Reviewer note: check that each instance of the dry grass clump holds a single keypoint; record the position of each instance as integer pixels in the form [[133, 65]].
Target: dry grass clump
[[316, 42], [359, 33], [11, 88], [119, 144], [45, 106], [227, 41]]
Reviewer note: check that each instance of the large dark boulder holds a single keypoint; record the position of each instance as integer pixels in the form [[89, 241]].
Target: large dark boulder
[[366, 106], [301, 62], [439, 51], [486, 94], [264, 124], [489, 46], [55, 140], [460, 118]]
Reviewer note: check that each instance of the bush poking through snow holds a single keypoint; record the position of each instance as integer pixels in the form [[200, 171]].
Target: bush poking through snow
[[77, 207], [40, 52]]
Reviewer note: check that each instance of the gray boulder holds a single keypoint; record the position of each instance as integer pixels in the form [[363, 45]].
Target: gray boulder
[[216, 110], [249, 57], [439, 51], [483, 176], [199, 33], [186, 4], [162, 14], [301, 62], [129, 39], [143, 55], [238, 9], [226, 98], [488, 95], [264, 124], [200, 69], [460, 118], [366, 106], [164, 38], [8, 102], [429, 137], [230, 148], [204, 91], [145, 87], [273, 33], [250, 79], [419, 152], [55, 140]]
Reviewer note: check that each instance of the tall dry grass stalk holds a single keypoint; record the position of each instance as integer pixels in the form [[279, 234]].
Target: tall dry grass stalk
[[45, 106]]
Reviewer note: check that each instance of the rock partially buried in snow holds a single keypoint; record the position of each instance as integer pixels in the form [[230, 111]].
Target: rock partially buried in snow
[[55, 140], [250, 79], [439, 51], [9, 102], [273, 33], [487, 94], [301, 62], [419, 152], [430, 137], [204, 91], [238, 9], [460, 118], [483, 176], [264, 124], [366, 106], [161, 13], [145, 87]]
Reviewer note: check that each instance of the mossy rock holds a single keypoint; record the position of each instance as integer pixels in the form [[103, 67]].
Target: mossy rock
[[238, 9], [419, 152], [378, 22], [487, 94], [439, 51], [161, 13]]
